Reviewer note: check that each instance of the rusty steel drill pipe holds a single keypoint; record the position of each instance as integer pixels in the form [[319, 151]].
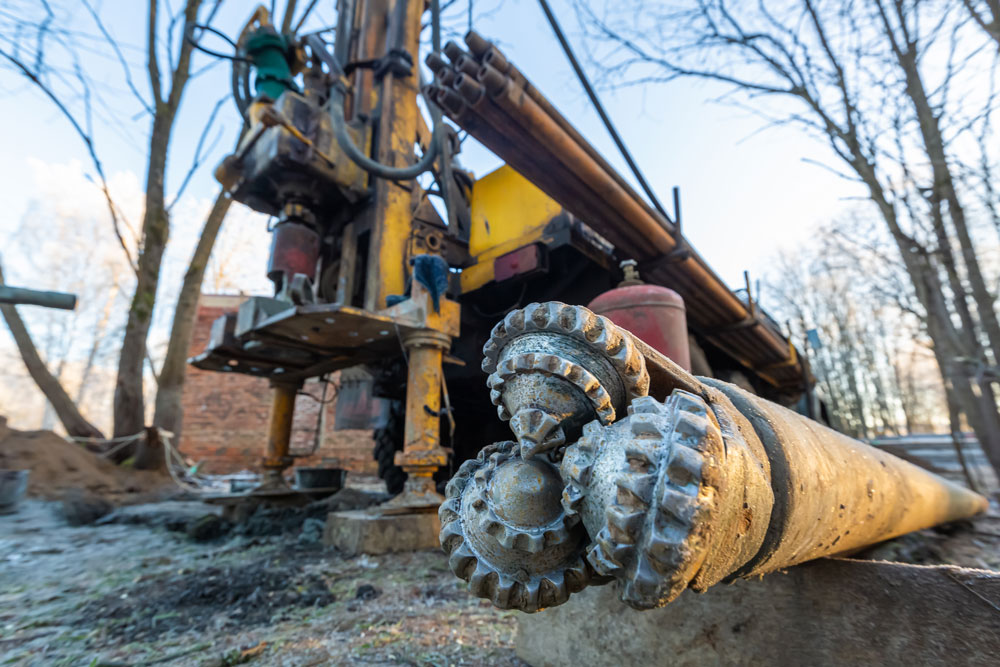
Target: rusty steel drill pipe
[[701, 482], [531, 131]]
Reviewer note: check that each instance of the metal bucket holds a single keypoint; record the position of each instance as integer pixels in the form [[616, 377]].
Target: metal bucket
[[13, 484], [319, 478]]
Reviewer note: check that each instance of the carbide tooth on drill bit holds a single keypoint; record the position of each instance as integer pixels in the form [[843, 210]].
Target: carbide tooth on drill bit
[[479, 581], [623, 524], [645, 425], [532, 590], [636, 488], [691, 426], [642, 589], [599, 560], [448, 510], [449, 533], [551, 588], [645, 405], [568, 317], [616, 552], [534, 543], [688, 402], [639, 459], [680, 506], [578, 469], [664, 553], [502, 591], [571, 499], [460, 559], [515, 320], [685, 466]]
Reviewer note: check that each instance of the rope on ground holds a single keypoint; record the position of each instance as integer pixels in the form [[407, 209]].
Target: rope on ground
[[120, 442], [168, 452], [171, 455]]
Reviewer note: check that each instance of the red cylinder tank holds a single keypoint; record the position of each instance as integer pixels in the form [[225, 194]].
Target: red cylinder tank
[[294, 249], [654, 314]]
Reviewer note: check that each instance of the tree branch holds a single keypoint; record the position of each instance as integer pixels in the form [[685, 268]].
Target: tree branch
[[87, 141]]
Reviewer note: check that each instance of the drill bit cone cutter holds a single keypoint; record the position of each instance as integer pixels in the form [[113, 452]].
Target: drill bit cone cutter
[[629, 469]]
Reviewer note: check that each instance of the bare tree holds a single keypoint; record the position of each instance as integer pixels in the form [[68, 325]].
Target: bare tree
[[853, 74], [75, 423], [168, 54], [128, 407], [169, 411]]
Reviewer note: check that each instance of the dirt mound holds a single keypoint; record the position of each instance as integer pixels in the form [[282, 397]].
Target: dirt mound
[[57, 465]]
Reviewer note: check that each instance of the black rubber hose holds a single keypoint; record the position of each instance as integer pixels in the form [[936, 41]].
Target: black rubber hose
[[337, 95]]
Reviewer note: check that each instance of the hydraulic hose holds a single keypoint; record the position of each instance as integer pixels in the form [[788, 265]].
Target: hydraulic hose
[[337, 96], [346, 144]]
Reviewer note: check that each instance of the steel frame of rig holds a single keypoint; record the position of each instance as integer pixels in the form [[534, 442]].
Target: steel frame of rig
[[633, 461], [367, 272]]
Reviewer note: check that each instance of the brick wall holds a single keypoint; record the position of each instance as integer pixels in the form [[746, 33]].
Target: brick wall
[[226, 415]]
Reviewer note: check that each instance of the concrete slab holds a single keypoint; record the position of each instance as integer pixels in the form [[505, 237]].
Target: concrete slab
[[829, 612], [362, 532]]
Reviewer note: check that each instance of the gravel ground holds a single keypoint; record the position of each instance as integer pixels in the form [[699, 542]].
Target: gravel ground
[[140, 592], [135, 589]]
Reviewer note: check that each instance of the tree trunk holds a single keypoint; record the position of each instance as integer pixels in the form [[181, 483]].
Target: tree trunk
[[930, 293], [169, 414], [74, 423], [944, 183], [129, 408], [150, 454]]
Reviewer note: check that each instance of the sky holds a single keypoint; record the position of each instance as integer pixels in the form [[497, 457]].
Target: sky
[[744, 191]]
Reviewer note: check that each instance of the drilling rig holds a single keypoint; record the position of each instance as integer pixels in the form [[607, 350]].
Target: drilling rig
[[405, 264], [368, 272]]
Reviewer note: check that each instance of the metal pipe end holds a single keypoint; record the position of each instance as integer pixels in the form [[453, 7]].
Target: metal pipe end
[[506, 533], [468, 65], [494, 58], [446, 76], [435, 62], [493, 79], [451, 101], [477, 43], [469, 88], [453, 51]]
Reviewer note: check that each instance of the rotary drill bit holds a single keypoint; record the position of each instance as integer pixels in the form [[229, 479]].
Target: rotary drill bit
[[553, 367], [700, 483]]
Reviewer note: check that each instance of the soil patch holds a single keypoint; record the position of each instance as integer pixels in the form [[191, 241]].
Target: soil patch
[[239, 596], [57, 465]]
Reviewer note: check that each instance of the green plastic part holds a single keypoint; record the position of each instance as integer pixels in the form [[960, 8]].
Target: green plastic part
[[268, 53]]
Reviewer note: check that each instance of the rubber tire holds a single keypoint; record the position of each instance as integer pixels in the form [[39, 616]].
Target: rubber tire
[[388, 441]]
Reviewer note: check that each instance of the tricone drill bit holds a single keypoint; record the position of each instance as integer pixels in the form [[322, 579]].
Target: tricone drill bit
[[699, 483]]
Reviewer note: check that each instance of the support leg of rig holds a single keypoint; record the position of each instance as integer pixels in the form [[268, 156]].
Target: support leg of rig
[[279, 434], [422, 453], [409, 521]]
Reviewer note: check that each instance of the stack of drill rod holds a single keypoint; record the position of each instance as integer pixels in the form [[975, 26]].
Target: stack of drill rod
[[493, 101]]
